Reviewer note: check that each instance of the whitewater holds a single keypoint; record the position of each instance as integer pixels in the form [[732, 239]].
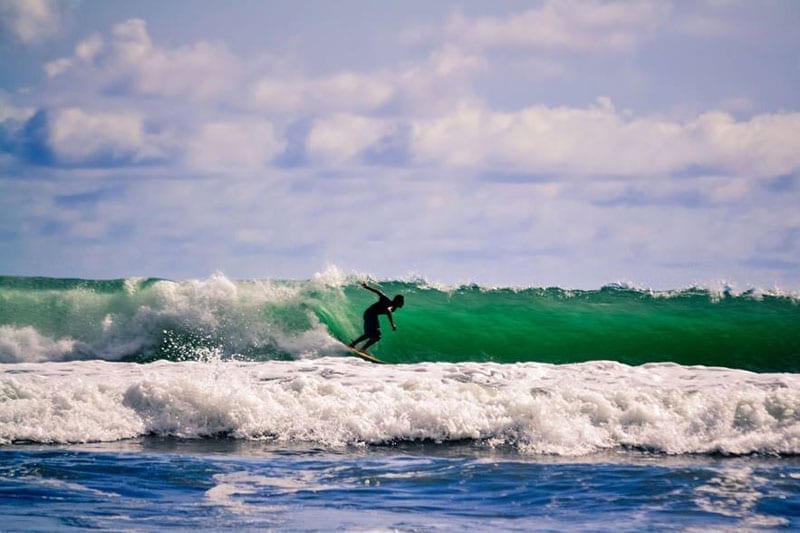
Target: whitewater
[[144, 403], [535, 408]]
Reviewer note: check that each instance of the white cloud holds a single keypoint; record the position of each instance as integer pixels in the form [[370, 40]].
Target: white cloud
[[31, 21], [444, 78], [85, 53], [349, 90], [12, 112], [279, 95], [128, 63], [88, 49], [202, 69], [450, 62], [234, 145], [571, 25], [600, 140], [764, 145], [342, 137], [440, 77], [57, 66], [344, 91], [76, 136], [132, 63]]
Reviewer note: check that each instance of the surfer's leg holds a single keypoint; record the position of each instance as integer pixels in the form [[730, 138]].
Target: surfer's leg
[[372, 330], [361, 338], [372, 340], [374, 336]]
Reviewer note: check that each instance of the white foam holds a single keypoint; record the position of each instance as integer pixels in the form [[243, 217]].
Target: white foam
[[233, 484], [735, 493], [332, 276], [63, 402], [538, 408], [214, 313], [25, 344]]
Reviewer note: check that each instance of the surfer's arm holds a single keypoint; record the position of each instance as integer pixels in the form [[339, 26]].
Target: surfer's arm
[[373, 289], [391, 320]]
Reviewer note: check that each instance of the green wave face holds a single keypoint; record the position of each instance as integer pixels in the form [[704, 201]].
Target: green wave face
[[52, 319], [690, 327]]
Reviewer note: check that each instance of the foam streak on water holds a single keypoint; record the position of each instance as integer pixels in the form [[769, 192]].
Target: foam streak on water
[[535, 408], [151, 484]]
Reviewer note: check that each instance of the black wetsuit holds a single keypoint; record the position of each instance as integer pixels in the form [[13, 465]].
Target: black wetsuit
[[372, 327]]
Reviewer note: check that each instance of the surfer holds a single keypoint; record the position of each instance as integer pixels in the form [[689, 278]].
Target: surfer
[[372, 327]]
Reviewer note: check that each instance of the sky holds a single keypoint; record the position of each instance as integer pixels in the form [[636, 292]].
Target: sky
[[527, 143]]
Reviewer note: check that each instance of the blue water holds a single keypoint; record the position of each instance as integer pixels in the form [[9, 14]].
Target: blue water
[[154, 483]]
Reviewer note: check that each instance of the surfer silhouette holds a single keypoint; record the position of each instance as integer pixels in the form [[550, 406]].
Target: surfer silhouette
[[372, 327]]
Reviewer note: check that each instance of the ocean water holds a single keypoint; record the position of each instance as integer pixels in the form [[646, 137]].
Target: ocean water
[[146, 404]]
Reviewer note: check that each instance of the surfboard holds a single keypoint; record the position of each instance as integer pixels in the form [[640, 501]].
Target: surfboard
[[365, 356]]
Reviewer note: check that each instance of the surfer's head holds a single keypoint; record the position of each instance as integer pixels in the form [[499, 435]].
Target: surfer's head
[[398, 301]]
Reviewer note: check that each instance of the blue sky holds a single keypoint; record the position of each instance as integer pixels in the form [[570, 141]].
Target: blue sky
[[570, 143]]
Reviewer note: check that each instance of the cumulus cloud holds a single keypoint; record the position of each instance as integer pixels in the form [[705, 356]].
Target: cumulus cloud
[[85, 52], [342, 137], [436, 78], [127, 63], [58, 66], [443, 79], [10, 112], [345, 90], [234, 145], [130, 62], [31, 21], [601, 140], [76, 136], [571, 25]]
